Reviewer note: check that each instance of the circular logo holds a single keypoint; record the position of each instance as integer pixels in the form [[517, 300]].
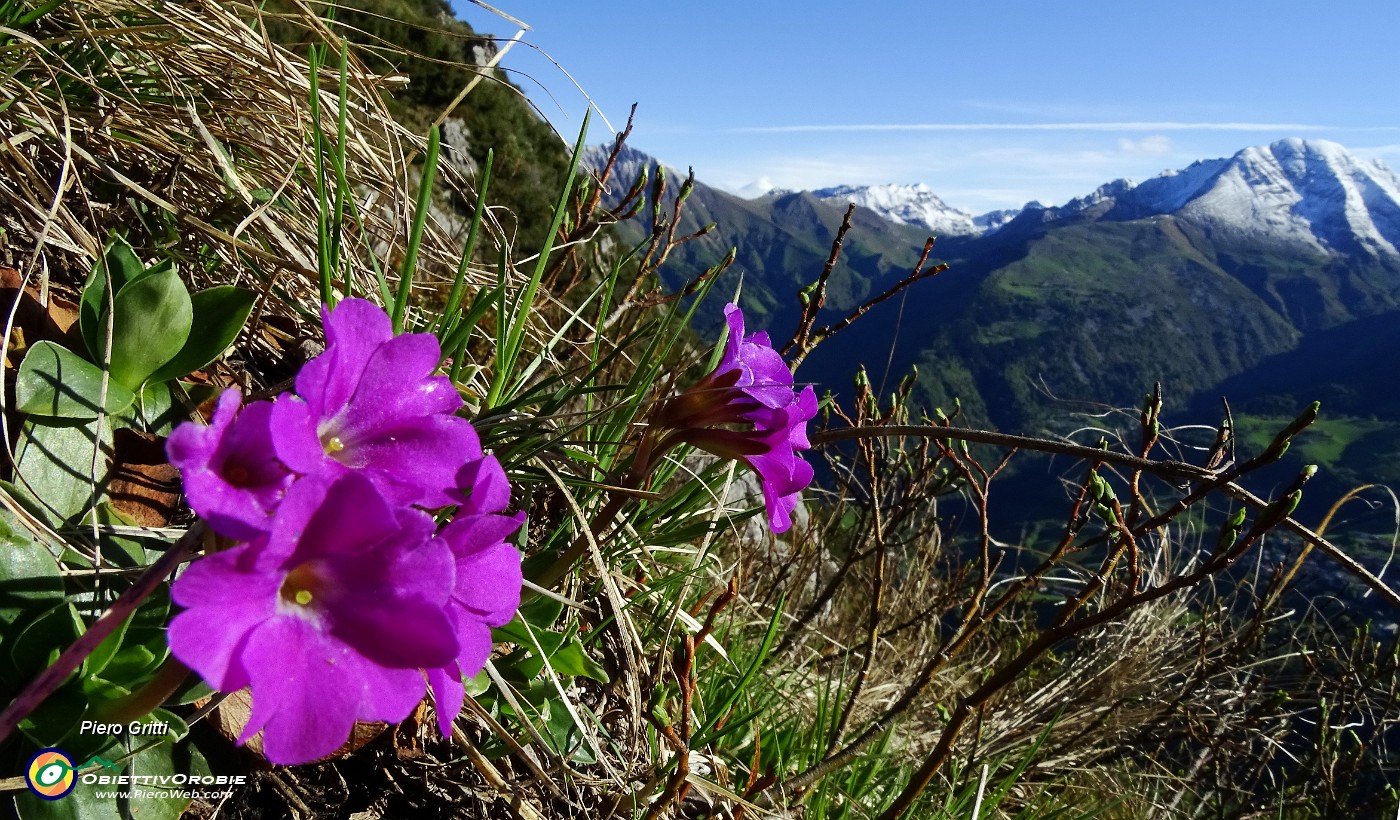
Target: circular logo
[[51, 774]]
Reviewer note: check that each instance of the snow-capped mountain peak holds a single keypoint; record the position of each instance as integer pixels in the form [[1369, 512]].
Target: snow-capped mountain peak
[[1101, 200], [993, 221], [1309, 192], [909, 205]]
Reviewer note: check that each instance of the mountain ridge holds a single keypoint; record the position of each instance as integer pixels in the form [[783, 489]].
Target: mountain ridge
[[1280, 191]]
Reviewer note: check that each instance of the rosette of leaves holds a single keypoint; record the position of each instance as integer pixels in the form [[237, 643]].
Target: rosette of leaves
[[141, 329], [148, 330]]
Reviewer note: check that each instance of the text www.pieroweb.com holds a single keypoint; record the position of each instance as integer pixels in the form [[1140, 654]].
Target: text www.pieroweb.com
[[162, 787]]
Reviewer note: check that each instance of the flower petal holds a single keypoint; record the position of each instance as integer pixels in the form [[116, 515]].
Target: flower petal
[[306, 690], [355, 329], [372, 403], [416, 461], [389, 695], [231, 475], [485, 486], [294, 438], [489, 579], [448, 695], [751, 389], [475, 638], [335, 520], [397, 383], [395, 633]]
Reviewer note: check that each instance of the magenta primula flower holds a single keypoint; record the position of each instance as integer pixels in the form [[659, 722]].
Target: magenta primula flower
[[343, 603], [370, 403], [751, 390], [330, 618], [232, 478]]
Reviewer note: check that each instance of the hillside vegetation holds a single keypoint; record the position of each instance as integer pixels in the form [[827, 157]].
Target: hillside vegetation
[[436, 56]]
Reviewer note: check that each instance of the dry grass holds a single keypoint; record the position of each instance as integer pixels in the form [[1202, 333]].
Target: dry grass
[[1210, 699], [181, 125]]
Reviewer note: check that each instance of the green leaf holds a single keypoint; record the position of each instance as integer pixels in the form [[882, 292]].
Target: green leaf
[[160, 409], [124, 266], [54, 381], [119, 550], [571, 660], [566, 738], [748, 676], [194, 689], [519, 633], [99, 690], [54, 460], [143, 647], [154, 411], [163, 759], [540, 611], [152, 318], [219, 313], [176, 729], [565, 653], [56, 721], [94, 663], [132, 662], [478, 685], [38, 644], [29, 581], [520, 666], [116, 551]]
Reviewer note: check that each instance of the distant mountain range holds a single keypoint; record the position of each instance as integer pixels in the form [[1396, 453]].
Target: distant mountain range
[[1272, 275], [1311, 193]]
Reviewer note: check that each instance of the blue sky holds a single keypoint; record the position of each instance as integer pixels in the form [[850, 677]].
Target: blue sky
[[990, 103]]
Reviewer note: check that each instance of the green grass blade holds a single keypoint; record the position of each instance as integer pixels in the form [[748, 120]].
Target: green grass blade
[[482, 302], [516, 322], [447, 322], [324, 251], [342, 185], [415, 237], [703, 736]]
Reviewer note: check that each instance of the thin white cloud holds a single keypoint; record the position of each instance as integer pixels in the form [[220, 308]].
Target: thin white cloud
[[1376, 151], [1046, 126], [1154, 144]]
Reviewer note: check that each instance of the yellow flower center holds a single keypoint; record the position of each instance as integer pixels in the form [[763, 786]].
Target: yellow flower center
[[302, 585]]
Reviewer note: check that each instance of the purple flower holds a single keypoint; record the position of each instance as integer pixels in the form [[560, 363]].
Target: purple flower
[[231, 475], [343, 604], [487, 591], [371, 404], [751, 389], [330, 618]]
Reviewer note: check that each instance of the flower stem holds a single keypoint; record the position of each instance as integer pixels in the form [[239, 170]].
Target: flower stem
[[143, 701], [648, 452]]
